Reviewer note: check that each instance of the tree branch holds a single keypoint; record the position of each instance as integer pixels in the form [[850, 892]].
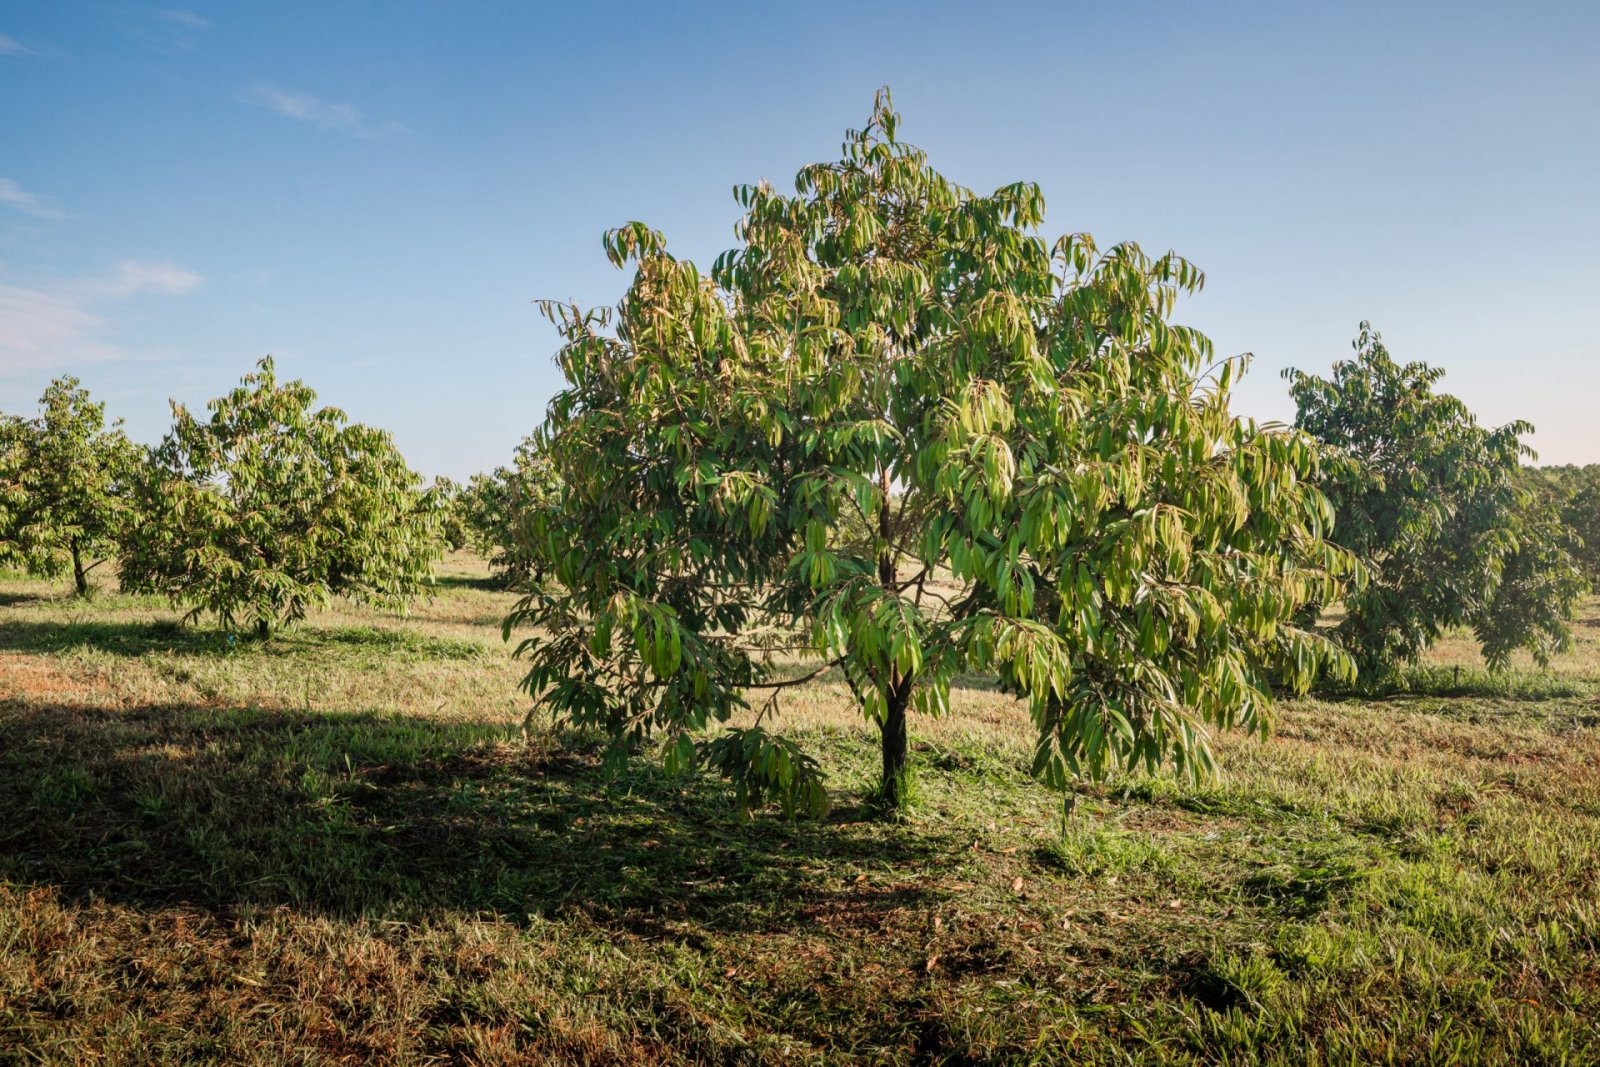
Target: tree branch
[[796, 681]]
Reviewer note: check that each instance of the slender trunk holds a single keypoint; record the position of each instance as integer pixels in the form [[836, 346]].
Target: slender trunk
[[79, 575], [263, 629], [895, 746], [897, 695]]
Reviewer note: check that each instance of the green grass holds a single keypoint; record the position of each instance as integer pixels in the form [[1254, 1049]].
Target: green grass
[[338, 846]]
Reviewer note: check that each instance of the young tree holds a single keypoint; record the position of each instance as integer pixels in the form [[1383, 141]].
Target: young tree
[[1432, 504], [898, 435], [63, 484], [270, 508], [496, 509]]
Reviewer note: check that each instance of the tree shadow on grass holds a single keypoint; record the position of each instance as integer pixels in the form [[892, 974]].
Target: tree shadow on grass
[[465, 581], [371, 816], [119, 638], [1425, 681], [135, 638]]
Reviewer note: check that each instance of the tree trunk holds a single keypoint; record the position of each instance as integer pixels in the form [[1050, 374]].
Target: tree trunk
[[263, 629], [79, 575], [893, 790], [897, 695]]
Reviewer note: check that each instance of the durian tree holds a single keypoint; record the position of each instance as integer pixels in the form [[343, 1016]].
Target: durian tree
[[899, 435], [272, 506], [65, 479], [496, 509], [1435, 507]]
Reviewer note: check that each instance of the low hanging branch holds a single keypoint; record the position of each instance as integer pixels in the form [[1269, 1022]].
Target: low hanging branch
[[802, 680]]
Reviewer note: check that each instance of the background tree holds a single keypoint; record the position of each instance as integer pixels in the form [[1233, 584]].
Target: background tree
[[1540, 583], [898, 435], [1581, 512], [64, 481], [270, 508], [1576, 491], [1433, 505], [453, 531], [496, 509]]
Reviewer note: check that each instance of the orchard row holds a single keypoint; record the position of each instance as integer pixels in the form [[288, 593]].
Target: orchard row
[[896, 436]]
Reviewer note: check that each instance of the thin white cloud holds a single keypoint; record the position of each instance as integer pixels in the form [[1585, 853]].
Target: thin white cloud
[[15, 196], [62, 324], [10, 46], [308, 108], [43, 330], [180, 17], [167, 30], [134, 277]]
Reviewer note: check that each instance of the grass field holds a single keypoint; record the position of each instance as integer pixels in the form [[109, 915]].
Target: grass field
[[338, 847]]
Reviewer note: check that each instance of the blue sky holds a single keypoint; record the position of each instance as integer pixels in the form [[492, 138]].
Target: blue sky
[[374, 192]]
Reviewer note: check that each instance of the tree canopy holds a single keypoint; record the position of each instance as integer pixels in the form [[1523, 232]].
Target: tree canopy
[[64, 480], [1433, 505], [271, 507], [495, 510], [898, 435]]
